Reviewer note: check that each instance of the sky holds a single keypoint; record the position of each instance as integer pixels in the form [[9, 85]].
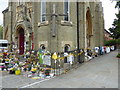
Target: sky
[[108, 8], [109, 12], [3, 6]]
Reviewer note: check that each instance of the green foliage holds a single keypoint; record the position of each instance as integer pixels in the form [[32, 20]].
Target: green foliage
[[115, 30], [110, 42], [1, 31], [118, 56], [117, 4], [118, 41]]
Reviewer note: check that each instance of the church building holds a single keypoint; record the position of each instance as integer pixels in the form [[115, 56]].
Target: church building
[[55, 26]]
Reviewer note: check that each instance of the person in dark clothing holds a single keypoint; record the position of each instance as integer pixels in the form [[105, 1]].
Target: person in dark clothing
[[6, 65], [29, 67], [3, 61]]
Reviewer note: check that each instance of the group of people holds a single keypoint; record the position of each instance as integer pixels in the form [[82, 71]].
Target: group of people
[[98, 51], [104, 49]]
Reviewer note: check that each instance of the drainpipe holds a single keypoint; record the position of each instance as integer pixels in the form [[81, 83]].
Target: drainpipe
[[78, 48]]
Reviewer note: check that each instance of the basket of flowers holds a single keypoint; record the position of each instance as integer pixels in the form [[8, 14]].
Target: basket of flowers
[[2, 65], [12, 71], [7, 59], [17, 72], [33, 70]]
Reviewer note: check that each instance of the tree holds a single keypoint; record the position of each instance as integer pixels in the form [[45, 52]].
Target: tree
[[115, 30], [111, 42], [1, 31], [117, 4]]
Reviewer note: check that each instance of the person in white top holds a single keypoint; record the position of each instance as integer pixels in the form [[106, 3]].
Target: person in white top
[[96, 51], [65, 60], [103, 50], [71, 58]]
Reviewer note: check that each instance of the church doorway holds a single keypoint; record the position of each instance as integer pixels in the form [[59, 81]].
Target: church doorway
[[21, 40], [88, 27]]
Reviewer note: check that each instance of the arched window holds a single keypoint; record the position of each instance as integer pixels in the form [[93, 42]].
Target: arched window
[[42, 46], [67, 48]]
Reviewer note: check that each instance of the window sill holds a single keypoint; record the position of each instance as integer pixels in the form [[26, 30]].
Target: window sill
[[19, 21], [66, 23], [45, 23]]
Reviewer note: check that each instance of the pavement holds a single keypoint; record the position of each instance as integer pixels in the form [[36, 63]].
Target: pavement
[[101, 72]]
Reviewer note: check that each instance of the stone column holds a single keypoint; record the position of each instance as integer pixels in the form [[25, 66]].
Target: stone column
[[10, 25], [35, 24], [82, 25], [102, 26], [97, 26], [92, 8], [54, 40]]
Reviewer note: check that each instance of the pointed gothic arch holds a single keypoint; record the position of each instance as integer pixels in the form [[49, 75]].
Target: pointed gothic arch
[[89, 31], [20, 33]]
